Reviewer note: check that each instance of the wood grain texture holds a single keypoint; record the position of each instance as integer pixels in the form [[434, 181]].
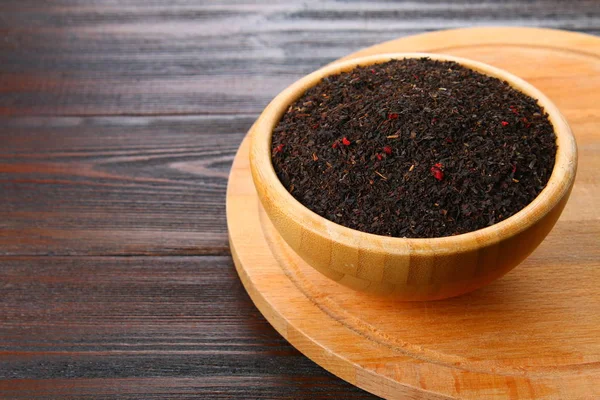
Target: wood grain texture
[[533, 334], [146, 57], [143, 327], [411, 269], [116, 185], [102, 186]]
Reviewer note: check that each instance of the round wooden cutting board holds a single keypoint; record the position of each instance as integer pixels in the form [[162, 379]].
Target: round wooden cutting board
[[533, 334]]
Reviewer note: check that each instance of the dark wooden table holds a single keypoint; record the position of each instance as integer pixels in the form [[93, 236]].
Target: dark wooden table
[[119, 123]]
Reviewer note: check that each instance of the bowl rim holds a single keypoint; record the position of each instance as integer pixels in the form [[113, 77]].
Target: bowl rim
[[559, 183]]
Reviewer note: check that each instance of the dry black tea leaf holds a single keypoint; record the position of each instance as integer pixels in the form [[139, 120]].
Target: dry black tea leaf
[[414, 148]]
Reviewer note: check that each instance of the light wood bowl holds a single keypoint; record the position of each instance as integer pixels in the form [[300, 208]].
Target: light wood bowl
[[410, 269]]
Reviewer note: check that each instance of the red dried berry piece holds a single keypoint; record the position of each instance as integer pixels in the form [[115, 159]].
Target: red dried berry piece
[[449, 140], [335, 145], [504, 123], [387, 150], [393, 116], [279, 148], [514, 168], [514, 109], [345, 141], [379, 156], [437, 172]]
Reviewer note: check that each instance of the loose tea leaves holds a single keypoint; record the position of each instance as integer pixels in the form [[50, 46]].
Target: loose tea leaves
[[414, 148]]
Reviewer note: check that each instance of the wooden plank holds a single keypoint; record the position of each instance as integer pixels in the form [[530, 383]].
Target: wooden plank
[[144, 327], [188, 57], [124, 185]]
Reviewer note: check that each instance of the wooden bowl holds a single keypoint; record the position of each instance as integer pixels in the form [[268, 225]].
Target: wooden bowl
[[410, 269]]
